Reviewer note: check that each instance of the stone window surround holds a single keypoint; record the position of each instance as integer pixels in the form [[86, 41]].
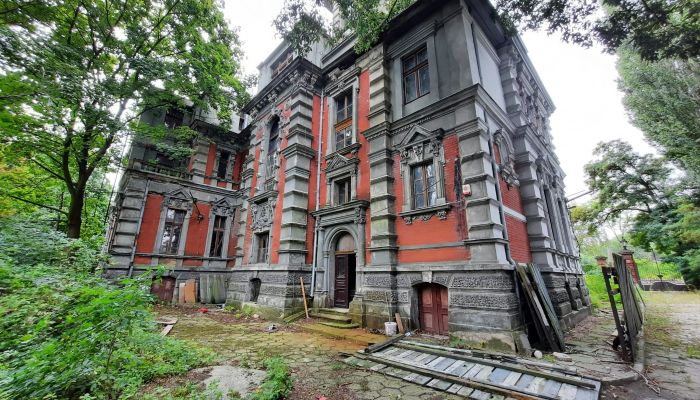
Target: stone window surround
[[264, 144], [262, 209], [423, 37], [229, 167], [223, 209], [176, 201], [353, 85], [348, 170], [254, 243], [419, 151]]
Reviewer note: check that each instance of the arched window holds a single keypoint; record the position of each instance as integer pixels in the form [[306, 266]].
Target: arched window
[[345, 244]]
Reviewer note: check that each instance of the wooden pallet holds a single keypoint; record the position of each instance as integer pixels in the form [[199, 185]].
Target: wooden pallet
[[455, 371]]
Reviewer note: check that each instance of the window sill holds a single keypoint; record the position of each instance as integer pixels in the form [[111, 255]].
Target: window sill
[[425, 213]]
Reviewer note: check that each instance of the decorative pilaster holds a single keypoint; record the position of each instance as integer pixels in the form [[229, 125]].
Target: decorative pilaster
[[298, 155], [486, 239]]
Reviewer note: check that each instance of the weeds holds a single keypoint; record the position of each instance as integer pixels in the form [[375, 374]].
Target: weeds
[[277, 383]]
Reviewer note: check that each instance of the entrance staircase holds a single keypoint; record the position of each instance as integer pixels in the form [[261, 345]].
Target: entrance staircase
[[334, 317]]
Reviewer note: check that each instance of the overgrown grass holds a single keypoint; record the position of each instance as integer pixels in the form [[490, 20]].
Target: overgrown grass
[[65, 332], [277, 383], [650, 270], [597, 290]]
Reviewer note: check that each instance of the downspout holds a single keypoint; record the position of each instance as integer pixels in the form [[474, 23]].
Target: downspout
[[138, 229], [314, 262]]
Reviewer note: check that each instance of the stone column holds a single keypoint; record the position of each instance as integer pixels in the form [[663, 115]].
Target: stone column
[[298, 155], [383, 213], [486, 239], [246, 184]]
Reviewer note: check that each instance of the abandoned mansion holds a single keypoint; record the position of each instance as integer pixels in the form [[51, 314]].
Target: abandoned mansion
[[411, 179]]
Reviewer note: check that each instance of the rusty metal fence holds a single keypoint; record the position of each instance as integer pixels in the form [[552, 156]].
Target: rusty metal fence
[[630, 321]]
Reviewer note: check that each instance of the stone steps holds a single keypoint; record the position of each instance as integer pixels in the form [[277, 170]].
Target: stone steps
[[330, 317], [340, 325]]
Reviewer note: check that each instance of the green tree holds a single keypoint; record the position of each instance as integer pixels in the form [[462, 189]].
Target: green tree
[[664, 211], [663, 100], [654, 28], [76, 75]]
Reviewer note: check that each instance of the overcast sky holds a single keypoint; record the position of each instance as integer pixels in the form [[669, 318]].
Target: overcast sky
[[582, 83]]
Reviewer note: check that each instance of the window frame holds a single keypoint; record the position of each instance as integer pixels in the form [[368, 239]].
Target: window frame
[[224, 164], [344, 183], [414, 71], [260, 257], [218, 235], [347, 124], [429, 192], [168, 226]]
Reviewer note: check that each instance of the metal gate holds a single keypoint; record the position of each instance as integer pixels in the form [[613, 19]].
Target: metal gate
[[629, 323]]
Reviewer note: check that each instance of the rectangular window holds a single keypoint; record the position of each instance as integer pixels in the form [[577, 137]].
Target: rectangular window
[[343, 105], [342, 192], [343, 136], [217, 236], [174, 118], [424, 185], [222, 168], [262, 247], [416, 78], [343, 120], [174, 219]]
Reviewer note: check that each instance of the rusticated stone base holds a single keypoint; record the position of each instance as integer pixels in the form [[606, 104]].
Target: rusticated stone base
[[280, 288]]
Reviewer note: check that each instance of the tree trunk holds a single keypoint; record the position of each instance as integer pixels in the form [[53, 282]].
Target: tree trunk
[[75, 212]]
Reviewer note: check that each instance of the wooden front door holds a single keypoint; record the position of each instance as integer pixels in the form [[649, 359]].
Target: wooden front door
[[344, 280], [164, 288], [432, 307]]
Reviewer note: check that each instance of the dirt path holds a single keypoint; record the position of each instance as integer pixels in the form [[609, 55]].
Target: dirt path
[[672, 332], [314, 359]]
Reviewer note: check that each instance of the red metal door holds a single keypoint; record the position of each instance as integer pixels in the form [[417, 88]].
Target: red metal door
[[432, 307]]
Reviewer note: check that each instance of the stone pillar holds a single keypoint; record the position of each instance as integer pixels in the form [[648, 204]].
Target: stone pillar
[[246, 185], [383, 213], [602, 261], [627, 255], [298, 155], [486, 237]]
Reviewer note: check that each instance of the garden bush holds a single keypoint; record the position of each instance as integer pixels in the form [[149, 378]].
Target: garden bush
[[65, 332]]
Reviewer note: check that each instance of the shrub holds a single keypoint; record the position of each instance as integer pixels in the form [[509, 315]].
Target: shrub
[[597, 290], [66, 332]]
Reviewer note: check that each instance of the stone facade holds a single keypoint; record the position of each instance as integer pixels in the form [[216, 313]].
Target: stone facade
[[429, 155]]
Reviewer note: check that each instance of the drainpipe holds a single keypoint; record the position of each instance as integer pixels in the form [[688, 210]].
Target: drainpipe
[[138, 229], [314, 262]]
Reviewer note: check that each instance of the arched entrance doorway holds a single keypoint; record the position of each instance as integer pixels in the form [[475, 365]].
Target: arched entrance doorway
[[344, 263], [432, 308]]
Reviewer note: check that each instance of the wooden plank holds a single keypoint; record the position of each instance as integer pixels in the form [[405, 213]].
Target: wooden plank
[[465, 391], [540, 313], [442, 365], [439, 384], [551, 388], [454, 388], [399, 323], [479, 395], [541, 288], [586, 394], [499, 375], [537, 385], [512, 378], [435, 362], [454, 366], [376, 347], [190, 291], [500, 364], [377, 367], [475, 370], [484, 373], [473, 383], [166, 330], [524, 381], [567, 392]]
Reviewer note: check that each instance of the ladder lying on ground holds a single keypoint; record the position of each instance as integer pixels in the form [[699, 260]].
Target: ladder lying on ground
[[463, 373]]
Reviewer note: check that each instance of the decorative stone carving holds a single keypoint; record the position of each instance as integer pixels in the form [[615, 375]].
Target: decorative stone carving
[[177, 199], [408, 220], [500, 301], [442, 214], [359, 215], [223, 208], [263, 215], [482, 282]]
